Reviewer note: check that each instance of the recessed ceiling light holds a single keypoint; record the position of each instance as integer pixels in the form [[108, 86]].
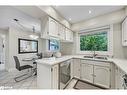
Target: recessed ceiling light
[[69, 19], [90, 11]]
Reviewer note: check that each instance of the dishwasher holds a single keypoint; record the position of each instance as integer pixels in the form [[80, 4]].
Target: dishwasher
[[65, 73]]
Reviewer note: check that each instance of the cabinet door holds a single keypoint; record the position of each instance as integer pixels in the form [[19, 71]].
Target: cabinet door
[[53, 28], [76, 68], [69, 35], [124, 32], [62, 32], [55, 75], [87, 72], [102, 76]]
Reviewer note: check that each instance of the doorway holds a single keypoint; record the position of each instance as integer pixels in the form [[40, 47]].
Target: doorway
[[2, 52]]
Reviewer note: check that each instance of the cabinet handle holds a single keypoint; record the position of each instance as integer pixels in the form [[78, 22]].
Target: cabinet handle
[[125, 40], [93, 75]]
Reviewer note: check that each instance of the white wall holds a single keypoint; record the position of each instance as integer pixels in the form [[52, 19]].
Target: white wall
[[119, 50], [5, 33], [14, 34]]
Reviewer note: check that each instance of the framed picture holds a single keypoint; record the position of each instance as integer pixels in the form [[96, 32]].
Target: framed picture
[[27, 46]]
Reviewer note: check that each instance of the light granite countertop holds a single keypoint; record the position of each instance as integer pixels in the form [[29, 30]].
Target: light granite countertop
[[121, 63]]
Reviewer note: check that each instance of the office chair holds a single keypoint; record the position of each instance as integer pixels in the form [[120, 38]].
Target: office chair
[[20, 68]]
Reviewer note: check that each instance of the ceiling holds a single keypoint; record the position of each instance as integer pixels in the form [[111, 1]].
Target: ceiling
[[26, 15], [76, 14]]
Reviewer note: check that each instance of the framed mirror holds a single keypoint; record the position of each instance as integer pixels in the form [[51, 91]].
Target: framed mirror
[[27, 46]]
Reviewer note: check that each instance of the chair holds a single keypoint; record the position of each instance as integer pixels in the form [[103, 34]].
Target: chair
[[35, 69], [20, 68]]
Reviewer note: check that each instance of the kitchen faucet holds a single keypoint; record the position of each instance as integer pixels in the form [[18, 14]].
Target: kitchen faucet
[[94, 54]]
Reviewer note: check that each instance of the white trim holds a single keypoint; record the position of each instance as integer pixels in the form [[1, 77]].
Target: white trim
[[110, 45], [95, 29]]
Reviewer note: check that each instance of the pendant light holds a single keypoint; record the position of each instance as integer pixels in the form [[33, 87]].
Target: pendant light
[[34, 36]]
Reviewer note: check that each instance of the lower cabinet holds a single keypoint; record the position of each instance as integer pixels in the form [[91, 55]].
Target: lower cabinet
[[95, 73], [75, 71], [47, 76], [102, 76], [119, 81], [87, 72], [55, 76]]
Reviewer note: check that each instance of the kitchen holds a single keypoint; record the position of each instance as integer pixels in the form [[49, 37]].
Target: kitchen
[[85, 51]]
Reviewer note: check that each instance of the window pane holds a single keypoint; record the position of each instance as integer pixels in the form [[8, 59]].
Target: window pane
[[53, 45], [96, 41]]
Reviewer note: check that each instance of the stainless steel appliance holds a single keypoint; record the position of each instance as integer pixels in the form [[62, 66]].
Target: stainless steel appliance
[[65, 73], [125, 81]]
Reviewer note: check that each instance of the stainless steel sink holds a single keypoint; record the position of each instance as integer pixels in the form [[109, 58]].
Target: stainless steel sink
[[88, 57], [97, 57], [103, 58]]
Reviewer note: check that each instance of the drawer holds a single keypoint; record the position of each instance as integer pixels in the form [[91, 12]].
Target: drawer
[[92, 62]]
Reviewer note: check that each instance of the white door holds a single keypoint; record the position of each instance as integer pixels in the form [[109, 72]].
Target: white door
[[2, 53], [55, 75], [53, 28], [102, 76], [87, 72], [76, 68], [124, 32]]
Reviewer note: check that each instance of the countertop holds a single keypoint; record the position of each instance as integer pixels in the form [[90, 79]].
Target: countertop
[[121, 63]]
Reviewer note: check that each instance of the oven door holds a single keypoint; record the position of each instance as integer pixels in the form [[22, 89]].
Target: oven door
[[65, 73]]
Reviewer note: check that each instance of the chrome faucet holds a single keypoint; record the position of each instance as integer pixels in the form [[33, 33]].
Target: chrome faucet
[[94, 54]]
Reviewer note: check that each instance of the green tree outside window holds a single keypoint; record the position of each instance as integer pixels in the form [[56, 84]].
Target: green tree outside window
[[94, 42]]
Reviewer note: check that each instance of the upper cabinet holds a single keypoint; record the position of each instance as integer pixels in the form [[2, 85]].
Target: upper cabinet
[[69, 35], [61, 32], [52, 28], [124, 32]]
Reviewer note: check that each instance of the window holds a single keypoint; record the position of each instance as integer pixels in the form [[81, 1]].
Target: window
[[94, 42], [54, 45], [98, 39]]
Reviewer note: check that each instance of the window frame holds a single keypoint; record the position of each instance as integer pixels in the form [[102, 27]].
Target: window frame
[[110, 41]]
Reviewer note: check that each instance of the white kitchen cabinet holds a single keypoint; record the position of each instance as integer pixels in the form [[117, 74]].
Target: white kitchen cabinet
[[53, 28], [119, 78], [87, 72], [96, 72], [47, 76], [124, 32], [50, 28], [61, 32], [76, 68], [69, 35], [55, 75], [102, 76]]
